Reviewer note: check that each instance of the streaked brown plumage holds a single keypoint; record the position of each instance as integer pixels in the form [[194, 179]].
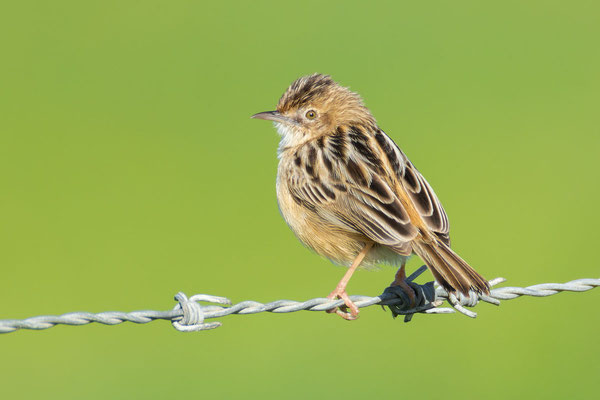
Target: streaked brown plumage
[[349, 193]]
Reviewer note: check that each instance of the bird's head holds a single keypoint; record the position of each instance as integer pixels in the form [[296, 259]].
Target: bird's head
[[314, 106]]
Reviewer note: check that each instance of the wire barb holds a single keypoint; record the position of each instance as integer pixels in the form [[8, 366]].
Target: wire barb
[[189, 316], [192, 317]]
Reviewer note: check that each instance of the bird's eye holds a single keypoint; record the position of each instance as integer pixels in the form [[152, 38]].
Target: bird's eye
[[311, 114]]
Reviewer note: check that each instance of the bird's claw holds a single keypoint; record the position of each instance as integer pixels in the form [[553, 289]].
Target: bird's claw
[[401, 281], [342, 311]]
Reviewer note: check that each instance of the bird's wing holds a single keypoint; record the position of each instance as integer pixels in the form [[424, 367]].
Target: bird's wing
[[372, 209], [350, 186], [426, 202], [342, 179], [418, 189]]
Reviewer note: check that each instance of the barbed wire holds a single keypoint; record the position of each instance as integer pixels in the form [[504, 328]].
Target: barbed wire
[[189, 316]]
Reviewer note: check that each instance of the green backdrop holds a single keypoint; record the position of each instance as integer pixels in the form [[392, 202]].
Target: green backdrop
[[130, 170]]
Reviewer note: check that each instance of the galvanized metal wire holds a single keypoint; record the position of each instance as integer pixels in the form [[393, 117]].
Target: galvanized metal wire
[[189, 315]]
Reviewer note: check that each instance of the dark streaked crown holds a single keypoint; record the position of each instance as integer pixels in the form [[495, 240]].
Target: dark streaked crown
[[335, 105], [304, 90], [317, 88]]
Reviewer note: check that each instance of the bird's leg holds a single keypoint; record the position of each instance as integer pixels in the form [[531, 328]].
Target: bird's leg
[[400, 280], [340, 290]]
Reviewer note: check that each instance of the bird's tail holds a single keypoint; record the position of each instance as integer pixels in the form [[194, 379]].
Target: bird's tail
[[450, 271]]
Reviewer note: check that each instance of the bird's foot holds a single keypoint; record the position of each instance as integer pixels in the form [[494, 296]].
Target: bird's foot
[[401, 281], [342, 311]]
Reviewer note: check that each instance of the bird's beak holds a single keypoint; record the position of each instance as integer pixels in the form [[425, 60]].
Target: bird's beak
[[275, 117]]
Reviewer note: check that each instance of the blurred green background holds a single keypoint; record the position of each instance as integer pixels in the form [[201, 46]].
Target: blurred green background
[[130, 170]]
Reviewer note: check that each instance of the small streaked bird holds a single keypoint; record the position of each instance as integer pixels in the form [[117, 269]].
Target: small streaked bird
[[349, 193]]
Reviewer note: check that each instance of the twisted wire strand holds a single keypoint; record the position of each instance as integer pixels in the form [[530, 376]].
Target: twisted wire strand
[[188, 315]]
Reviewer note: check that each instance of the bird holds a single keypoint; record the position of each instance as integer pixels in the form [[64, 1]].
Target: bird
[[350, 194]]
